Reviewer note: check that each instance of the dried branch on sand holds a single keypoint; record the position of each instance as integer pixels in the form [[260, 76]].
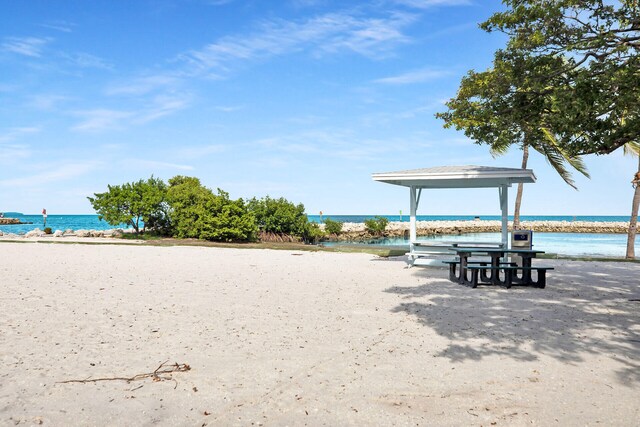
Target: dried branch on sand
[[162, 373]]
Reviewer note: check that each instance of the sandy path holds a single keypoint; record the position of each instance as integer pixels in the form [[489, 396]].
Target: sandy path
[[293, 338]]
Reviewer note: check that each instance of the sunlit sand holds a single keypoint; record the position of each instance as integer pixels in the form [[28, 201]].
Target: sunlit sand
[[307, 338]]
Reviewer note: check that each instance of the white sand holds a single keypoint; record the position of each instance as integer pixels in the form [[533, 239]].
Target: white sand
[[300, 338]]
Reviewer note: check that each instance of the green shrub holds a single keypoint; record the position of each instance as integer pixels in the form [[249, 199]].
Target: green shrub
[[279, 216], [47, 230], [196, 212], [132, 203], [376, 225], [313, 233], [332, 227]]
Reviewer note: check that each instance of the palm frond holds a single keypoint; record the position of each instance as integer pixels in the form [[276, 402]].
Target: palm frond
[[631, 148], [575, 161], [557, 162], [498, 150]]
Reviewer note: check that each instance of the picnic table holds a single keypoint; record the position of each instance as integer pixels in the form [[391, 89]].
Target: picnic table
[[497, 271], [434, 252]]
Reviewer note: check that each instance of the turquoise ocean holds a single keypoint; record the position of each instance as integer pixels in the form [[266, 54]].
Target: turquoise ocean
[[574, 244], [613, 245]]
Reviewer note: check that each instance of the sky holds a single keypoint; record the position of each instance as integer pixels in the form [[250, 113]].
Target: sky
[[302, 99]]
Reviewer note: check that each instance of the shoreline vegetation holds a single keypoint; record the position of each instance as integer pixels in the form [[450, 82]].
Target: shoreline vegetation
[[352, 232], [184, 208]]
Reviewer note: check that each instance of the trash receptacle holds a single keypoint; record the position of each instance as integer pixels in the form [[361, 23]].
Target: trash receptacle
[[521, 239]]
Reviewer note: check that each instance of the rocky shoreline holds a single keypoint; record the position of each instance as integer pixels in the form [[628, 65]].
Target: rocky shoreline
[[113, 233], [12, 221], [356, 231]]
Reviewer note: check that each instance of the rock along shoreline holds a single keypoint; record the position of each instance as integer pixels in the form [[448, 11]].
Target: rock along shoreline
[[356, 231]]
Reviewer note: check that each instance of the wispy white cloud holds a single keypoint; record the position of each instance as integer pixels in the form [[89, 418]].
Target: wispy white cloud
[[200, 151], [47, 101], [333, 144], [307, 3], [162, 105], [86, 60], [101, 119], [371, 37], [6, 88], [218, 2], [290, 145], [17, 132], [62, 26], [416, 76], [143, 85], [97, 120], [424, 4], [27, 46], [10, 153], [59, 172], [156, 165], [229, 109], [329, 33]]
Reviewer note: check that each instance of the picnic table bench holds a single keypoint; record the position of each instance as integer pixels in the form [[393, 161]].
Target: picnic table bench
[[496, 271], [434, 252]]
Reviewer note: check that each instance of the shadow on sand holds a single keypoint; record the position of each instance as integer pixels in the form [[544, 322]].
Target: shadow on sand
[[587, 308]]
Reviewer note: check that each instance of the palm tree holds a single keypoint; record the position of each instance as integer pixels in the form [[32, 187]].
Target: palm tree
[[507, 105], [554, 154], [633, 148]]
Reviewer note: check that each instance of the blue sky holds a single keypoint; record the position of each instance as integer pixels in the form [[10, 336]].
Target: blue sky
[[296, 98]]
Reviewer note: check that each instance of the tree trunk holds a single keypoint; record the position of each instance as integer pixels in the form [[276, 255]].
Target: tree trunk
[[633, 222], [516, 210]]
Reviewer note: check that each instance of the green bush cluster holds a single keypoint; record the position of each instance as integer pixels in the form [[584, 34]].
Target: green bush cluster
[[196, 212], [278, 215], [376, 225], [133, 203], [332, 227], [281, 216], [186, 209]]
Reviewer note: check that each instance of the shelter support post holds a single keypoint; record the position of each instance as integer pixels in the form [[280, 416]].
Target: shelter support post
[[413, 208], [504, 206]]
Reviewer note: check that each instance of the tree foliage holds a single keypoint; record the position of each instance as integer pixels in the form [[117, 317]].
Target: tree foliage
[[376, 225], [196, 212], [279, 216], [572, 73], [332, 227], [132, 203], [505, 106], [595, 80]]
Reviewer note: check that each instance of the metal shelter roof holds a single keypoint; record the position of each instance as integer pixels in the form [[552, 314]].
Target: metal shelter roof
[[457, 177]]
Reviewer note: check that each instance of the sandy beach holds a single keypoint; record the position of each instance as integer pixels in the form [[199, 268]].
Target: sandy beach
[[308, 338]]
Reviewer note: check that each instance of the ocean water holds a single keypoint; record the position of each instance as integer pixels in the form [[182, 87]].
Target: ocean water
[[405, 218], [574, 244], [57, 222], [579, 244]]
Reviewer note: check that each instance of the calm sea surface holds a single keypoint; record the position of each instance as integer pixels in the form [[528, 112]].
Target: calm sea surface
[[576, 244], [560, 243], [405, 218], [57, 222]]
